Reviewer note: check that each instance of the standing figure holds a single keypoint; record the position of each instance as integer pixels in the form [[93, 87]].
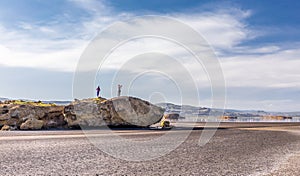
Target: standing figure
[[119, 89], [98, 91]]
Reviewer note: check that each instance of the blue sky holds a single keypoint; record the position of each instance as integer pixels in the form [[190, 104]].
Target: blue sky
[[257, 43]]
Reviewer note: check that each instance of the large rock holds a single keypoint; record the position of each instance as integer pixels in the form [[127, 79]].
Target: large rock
[[32, 124], [120, 111]]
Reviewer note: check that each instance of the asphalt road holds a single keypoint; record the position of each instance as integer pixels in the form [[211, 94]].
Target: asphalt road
[[250, 150]]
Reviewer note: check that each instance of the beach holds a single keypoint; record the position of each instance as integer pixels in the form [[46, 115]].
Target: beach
[[235, 149]]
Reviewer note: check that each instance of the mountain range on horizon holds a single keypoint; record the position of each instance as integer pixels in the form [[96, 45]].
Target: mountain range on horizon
[[189, 111]]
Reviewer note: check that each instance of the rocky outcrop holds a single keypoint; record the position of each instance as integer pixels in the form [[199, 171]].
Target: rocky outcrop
[[120, 111], [24, 116]]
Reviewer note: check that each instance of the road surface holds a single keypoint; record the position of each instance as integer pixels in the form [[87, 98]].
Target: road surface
[[235, 149]]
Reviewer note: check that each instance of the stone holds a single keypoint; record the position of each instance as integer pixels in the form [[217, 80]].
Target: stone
[[19, 112], [14, 114], [4, 117], [54, 118], [5, 128], [119, 111], [32, 124], [4, 110], [13, 122]]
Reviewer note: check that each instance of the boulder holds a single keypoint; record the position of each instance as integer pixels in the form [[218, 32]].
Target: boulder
[[119, 111], [32, 124], [5, 128]]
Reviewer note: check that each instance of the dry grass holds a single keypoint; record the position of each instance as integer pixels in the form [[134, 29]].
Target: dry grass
[[33, 103]]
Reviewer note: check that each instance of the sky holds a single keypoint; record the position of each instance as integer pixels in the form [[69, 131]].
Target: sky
[[257, 44]]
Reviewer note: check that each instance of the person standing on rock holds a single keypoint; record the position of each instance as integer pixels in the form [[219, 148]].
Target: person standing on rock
[[119, 89], [98, 91]]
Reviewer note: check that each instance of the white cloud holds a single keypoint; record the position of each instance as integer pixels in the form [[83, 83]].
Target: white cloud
[[221, 30], [40, 42], [277, 69], [254, 50], [64, 60], [55, 45], [95, 7], [25, 26]]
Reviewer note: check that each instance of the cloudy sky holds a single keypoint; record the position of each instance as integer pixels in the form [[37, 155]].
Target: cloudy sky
[[256, 42]]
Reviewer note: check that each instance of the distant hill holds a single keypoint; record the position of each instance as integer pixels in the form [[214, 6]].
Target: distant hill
[[187, 110], [3, 99]]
